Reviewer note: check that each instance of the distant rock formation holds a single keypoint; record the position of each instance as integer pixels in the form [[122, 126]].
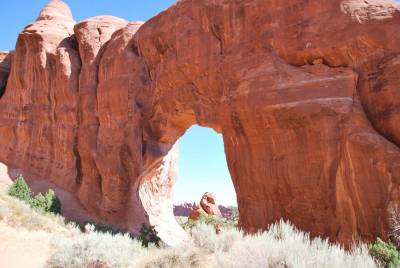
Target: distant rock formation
[[184, 210], [207, 206], [225, 211], [305, 94]]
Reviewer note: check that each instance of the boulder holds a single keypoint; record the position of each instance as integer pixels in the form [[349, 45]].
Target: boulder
[[207, 206]]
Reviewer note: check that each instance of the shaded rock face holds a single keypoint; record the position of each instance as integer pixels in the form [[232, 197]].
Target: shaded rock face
[[303, 92], [5, 64]]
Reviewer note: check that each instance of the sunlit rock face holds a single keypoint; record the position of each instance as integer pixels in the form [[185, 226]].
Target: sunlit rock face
[[305, 94], [207, 206]]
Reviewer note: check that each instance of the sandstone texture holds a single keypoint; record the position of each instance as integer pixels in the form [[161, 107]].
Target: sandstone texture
[[207, 206], [305, 94], [5, 64], [184, 210]]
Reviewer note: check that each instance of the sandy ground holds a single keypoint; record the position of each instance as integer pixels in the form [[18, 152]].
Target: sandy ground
[[5, 180], [23, 249]]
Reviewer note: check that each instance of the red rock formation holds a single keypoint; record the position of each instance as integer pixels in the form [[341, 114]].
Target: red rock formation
[[39, 114], [183, 210], [207, 206], [5, 63], [92, 35], [304, 93]]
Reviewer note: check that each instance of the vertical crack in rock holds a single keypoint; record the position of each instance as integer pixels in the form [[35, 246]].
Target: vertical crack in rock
[[92, 35]]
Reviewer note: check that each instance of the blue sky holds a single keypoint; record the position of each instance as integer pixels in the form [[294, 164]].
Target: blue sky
[[202, 165], [203, 168], [19, 13]]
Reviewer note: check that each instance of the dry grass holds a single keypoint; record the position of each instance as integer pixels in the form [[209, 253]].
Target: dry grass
[[281, 246], [284, 246], [83, 250], [18, 215]]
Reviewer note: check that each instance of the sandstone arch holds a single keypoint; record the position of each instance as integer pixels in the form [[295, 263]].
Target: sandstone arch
[[304, 94]]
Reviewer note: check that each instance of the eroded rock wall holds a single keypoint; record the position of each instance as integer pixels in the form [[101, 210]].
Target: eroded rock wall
[[5, 64], [304, 94], [39, 115]]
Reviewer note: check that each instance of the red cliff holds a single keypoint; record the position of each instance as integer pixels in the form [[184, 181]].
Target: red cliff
[[303, 92]]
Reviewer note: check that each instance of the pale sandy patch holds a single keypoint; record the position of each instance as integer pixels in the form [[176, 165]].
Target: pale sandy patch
[[22, 248]]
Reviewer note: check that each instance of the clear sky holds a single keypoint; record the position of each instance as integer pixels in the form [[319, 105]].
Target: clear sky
[[19, 13], [203, 168], [202, 165]]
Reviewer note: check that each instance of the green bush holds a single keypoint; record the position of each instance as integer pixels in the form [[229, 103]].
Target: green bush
[[148, 234], [20, 189], [47, 203], [234, 215], [385, 254], [218, 222], [54, 204]]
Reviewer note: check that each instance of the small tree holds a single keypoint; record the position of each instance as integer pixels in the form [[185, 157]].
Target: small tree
[[19, 189], [48, 202], [39, 201], [53, 203], [148, 234]]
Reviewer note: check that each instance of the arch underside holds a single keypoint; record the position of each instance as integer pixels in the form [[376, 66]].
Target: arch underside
[[307, 109]]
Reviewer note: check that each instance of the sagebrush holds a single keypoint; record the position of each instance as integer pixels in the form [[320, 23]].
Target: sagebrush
[[385, 253], [282, 245]]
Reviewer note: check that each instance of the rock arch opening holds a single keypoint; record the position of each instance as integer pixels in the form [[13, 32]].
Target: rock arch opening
[[202, 168], [182, 171]]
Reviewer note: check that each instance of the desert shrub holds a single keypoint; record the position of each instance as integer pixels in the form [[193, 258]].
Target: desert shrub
[[281, 245], [185, 256], [234, 214], [394, 223], [91, 249], [205, 237], [22, 215], [47, 203], [386, 254], [39, 201], [284, 246], [20, 189], [53, 203], [148, 234], [181, 220], [100, 227], [218, 222]]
